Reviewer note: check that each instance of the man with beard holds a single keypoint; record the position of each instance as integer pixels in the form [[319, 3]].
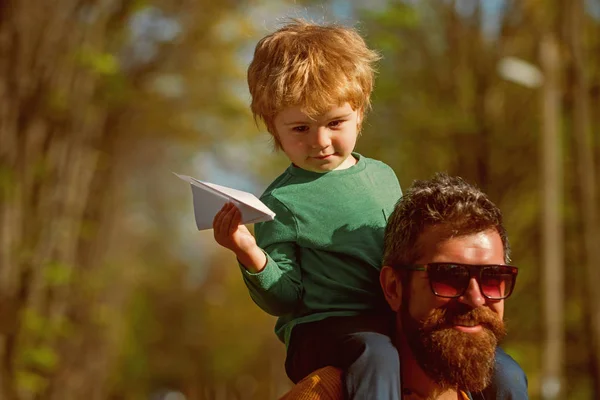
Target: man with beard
[[445, 276]]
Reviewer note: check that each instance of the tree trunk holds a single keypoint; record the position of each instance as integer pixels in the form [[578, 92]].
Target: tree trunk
[[50, 130], [552, 226], [586, 183]]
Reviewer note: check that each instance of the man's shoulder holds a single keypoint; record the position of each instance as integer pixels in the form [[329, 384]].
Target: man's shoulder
[[466, 395], [323, 384]]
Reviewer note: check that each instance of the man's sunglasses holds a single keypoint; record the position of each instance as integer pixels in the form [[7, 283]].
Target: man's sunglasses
[[451, 280]]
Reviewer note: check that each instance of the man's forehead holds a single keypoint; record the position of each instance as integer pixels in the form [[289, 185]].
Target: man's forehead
[[440, 243]]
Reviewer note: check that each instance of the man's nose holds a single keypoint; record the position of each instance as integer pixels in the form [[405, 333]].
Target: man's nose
[[322, 138], [472, 296]]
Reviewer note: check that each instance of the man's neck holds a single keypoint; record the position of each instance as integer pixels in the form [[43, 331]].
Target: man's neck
[[416, 384]]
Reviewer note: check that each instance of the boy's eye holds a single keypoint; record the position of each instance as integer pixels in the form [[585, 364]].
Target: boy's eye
[[300, 128], [336, 123]]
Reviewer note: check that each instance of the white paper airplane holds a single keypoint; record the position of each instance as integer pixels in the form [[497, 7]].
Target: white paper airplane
[[209, 198]]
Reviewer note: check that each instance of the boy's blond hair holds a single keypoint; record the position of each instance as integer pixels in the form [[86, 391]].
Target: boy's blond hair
[[312, 66]]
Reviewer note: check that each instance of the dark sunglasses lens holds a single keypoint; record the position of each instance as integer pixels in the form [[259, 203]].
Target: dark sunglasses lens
[[448, 280], [497, 281]]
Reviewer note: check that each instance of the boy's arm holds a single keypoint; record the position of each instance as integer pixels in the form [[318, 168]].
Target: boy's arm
[[277, 288], [271, 275]]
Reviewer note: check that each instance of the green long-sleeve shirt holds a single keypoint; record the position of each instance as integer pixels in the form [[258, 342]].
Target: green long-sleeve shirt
[[325, 246]]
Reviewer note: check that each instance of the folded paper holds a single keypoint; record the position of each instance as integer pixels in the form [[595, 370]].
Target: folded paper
[[209, 198]]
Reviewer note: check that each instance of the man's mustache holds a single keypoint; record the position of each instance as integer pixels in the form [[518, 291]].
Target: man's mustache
[[459, 314]]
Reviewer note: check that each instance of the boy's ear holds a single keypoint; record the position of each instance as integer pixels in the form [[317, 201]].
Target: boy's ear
[[391, 286]]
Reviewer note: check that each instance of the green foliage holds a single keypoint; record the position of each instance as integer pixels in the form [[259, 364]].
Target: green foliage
[[31, 383], [42, 358], [397, 15], [101, 63], [37, 358], [37, 325], [57, 273], [7, 181]]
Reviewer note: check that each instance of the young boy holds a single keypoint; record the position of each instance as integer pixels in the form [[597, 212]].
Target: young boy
[[316, 266]]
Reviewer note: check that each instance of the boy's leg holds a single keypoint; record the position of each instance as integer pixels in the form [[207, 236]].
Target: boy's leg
[[310, 348], [318, 344], [509, 381], [373, 367]]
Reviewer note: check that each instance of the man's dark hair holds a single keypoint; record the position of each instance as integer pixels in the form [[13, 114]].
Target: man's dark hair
[[451, 203]]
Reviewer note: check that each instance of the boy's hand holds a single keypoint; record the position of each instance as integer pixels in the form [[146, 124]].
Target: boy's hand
[[230, 234], [228, 231]]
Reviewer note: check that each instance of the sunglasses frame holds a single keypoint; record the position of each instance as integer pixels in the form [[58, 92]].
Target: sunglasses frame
[[474, 271]]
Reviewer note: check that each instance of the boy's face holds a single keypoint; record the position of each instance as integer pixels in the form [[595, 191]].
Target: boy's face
[[322, 144]]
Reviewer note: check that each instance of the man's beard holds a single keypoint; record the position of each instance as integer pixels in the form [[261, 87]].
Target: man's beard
[[455, 359]]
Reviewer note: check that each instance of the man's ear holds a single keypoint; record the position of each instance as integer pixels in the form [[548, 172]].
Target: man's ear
[[391, 286]]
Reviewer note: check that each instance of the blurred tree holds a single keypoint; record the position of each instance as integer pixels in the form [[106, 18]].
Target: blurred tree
[[577, 32], [440, 105], [91, 92], [552, 221]]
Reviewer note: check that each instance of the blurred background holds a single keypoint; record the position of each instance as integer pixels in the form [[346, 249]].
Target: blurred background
[[108, 291]]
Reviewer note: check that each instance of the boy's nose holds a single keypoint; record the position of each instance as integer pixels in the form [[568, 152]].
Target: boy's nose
[[322, 138], [472, 295]]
